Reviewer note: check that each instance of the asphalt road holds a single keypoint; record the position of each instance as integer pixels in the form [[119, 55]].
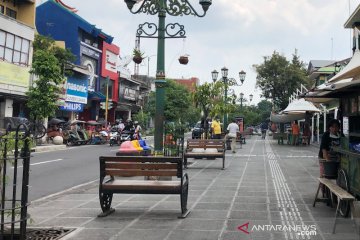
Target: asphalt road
[[56, 171]]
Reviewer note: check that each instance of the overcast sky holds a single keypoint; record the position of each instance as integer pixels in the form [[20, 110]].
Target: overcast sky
[[234, 33]]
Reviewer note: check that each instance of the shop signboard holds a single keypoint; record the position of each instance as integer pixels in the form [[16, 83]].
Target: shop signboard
[[109, 61], [72, 107], [90, 58], [14, 75], [76, 90], [130, 94]]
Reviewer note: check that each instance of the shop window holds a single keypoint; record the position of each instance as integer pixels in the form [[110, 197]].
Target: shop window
[[2, 9], [11, 13], [14, 49]]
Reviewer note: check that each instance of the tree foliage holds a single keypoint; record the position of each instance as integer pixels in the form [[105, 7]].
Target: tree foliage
[[278, 77], [178, 105], [210, 98], [48, 66]]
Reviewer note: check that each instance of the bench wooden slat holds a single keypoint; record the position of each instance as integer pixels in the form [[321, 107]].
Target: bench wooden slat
[[133, 173], [158, 159], [142, 185], [341, 193], [149, 166]]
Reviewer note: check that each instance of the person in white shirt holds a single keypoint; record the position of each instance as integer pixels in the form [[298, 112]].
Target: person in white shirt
[[232, 129], [121, 126], [137, 130]]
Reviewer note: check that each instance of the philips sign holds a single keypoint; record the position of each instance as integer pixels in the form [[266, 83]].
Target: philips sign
[[72, 107]]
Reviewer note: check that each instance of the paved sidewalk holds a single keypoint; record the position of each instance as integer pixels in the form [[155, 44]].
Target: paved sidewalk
[[264, 184]]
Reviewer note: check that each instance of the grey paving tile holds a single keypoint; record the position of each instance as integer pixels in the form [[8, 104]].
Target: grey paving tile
[[81, 212], [40, 212], [194, 235], [243, 199], [218, 199], [158, 214], [126, 213], [201, 224], [137, 204], [250, 215], [208, 214], [220, 193], [94, 234], [250, 206], [105, 222], [238, 235], [62, 204], [147, 197], [82, 196], [65, 222], [212, 206], [149, 223], [142, 234], [92, 204]]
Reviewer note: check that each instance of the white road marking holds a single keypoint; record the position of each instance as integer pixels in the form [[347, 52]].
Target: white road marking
[[33, 164]]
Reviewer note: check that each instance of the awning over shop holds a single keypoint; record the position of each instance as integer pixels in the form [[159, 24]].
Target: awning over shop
[[351, 70], [96, 96], [300, 106], [285, 118]]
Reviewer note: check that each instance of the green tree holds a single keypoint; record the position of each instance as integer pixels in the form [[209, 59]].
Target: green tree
[[210, 98], [49, 68], [177, 103], [278, 78], [264, 108]]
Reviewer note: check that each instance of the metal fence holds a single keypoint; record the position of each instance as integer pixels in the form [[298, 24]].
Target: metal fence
[[174, 142], [14, 183]]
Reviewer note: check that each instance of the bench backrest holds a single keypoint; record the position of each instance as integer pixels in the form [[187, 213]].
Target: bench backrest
[[205, 143], [131, 166]]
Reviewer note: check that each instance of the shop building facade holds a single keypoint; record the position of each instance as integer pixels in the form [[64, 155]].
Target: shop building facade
[[93, 50], [17, 30]]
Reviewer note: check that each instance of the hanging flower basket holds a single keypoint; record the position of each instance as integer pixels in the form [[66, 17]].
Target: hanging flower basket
[[137, 59], [183, 60]]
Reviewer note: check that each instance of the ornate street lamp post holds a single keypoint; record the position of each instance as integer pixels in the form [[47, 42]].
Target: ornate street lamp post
[[171, 30], [227, 82], [241, 95]]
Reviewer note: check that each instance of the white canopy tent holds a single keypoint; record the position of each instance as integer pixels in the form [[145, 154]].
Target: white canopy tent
[[286, 118], [301, 106]]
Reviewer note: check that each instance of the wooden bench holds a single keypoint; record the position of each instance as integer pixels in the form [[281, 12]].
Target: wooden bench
[[127, 167], [341, 194], [218, 144]]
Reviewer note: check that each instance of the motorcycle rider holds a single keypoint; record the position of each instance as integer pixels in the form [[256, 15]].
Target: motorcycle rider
[[120, 125], [137, 134]]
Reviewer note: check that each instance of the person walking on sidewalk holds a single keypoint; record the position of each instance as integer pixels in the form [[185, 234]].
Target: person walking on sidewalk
[[232, 129], [295, 133], [216, 128]]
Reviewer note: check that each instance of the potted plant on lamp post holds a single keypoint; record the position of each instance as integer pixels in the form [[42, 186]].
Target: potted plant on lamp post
[[184, 59], [137, 56]]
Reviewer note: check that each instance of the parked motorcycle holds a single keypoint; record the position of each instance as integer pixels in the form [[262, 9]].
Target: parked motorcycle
[[115, 137]]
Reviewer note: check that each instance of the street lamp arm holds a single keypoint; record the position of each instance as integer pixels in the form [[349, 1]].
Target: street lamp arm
[[172, 7], [182, 7], [151, 7]]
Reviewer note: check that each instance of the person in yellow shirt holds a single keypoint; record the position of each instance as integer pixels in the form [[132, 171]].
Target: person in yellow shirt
[[216, 129]]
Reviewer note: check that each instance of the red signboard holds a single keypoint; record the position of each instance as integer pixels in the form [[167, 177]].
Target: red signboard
[[109, 66], [109, 60]]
